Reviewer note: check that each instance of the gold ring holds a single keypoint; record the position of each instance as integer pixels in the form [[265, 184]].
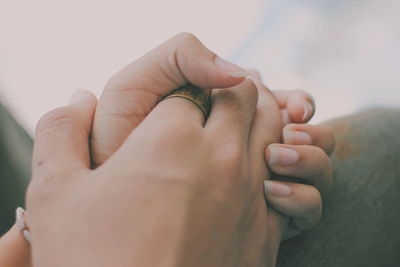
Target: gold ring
[[195, 95]]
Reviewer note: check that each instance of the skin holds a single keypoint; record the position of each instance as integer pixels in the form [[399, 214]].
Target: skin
[[186, 204], [298, 205], [130, 95], [14, 249], [252, 241]]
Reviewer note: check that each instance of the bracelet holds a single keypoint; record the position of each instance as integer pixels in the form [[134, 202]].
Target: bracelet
[[20, 215]]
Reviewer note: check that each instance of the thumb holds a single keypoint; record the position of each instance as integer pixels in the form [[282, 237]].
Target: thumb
[[133, 92]]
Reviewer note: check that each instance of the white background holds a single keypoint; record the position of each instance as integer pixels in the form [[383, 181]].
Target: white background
[[49, 48]]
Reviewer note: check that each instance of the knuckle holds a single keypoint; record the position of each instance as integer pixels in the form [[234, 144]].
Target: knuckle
[[176, 51], [251, 91], [186, 37], [229, 157], [185, 44], [55, 121]]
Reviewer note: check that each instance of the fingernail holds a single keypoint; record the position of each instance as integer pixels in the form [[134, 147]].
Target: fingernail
[[307, 109], [276, 189], [230, 68], [19, 218], [79, 96], [282, 156], [27, 235], [296, 137]]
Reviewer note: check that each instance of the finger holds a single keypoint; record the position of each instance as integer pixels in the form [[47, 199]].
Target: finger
[[256, 76], [134, 91], [267, 117], [296, 105], [176, 114], [302, 203], [309, 163], [233, 111], [305, 134], [62, 135]]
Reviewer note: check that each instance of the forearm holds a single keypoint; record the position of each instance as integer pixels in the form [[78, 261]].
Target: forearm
[[14, 249]]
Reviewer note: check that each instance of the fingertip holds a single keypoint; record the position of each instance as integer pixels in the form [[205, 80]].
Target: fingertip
[[310, 213], [230, 68], [190, 61], [214, 73], [320, 135], [82, 96], [231, 74], [291, 136], [308, 111], [300, 106], [303, 204], [278, 155], [276, 189]]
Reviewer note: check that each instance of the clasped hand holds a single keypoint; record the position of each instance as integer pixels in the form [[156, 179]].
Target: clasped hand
[[170, 188]]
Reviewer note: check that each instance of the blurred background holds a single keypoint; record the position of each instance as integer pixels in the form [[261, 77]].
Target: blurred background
[[345, 52]]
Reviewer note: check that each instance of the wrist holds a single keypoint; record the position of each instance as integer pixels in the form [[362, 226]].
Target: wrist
[[14, 249]]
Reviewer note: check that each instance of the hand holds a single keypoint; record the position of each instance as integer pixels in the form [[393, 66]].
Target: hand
[[310, 146], [133, 92], [14, 249], [205, 186], [208, 182], [130, 95], [304, 157], [296, 106]]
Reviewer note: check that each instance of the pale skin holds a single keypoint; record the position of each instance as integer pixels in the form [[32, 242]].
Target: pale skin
[[87, 107], [131, 93], [15, 250]]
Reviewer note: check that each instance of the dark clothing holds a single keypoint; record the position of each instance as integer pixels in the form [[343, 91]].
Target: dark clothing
[[361, 221], [15, 162]]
